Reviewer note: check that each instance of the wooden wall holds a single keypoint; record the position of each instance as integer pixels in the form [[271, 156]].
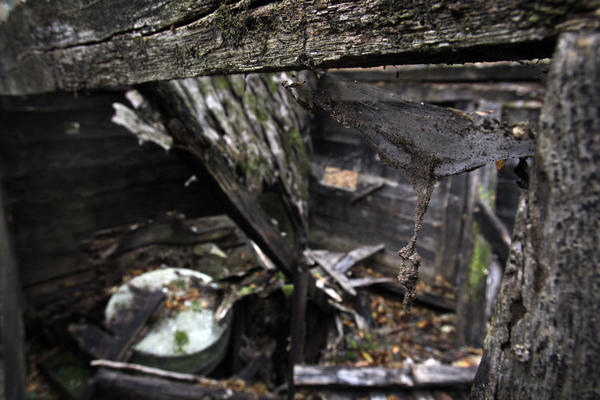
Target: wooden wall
[[514, 90], [69, 171]]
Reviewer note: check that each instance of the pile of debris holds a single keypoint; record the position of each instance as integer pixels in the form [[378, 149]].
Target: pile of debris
[[360, 336]]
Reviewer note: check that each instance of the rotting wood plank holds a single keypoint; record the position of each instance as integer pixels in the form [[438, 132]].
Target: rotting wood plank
[[92, 340], [114, 384], [428, 299], [445, 92], [102, 345], [42, 221], [489, 72], [420, 375], [324, 259], [443, 375], [357, 255], [170, 231], [546, 316], [312, 375], [74, 184], [493, 230], [73, 46], [334, 237], [366, 192], [453, 204], [375, 225], [298, 324], [255, 155], [12, 356]]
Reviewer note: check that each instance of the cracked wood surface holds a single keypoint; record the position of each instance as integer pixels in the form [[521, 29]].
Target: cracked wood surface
[[250, 137], [75, 45], [542, 342]]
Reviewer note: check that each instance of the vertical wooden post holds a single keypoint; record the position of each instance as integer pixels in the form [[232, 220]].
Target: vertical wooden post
[[11, 324], [298, 325], [475, 259], [543, 337], [448, 257]]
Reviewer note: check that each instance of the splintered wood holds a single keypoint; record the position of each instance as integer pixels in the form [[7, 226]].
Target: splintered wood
[[423, 141]]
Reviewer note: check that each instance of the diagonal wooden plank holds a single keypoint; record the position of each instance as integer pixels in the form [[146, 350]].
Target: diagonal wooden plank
[[327, 262], [357, 255]]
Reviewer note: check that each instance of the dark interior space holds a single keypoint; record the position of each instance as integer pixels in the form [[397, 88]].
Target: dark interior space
[[90, 207]]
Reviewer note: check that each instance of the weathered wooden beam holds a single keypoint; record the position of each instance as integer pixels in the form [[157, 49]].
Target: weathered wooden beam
[[546, 316], [488, 72], [314, 375], [327, 262], [366, 192], [169, 231], [298, 324], [12, 356], [178, 376], [492, 229], [102, 345], [72, 46], [233, 129], [357, 255], [420, 375], [426, 299], [114, 384], [473, 261]]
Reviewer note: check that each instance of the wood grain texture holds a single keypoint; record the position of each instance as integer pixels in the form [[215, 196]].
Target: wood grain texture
[[62, 184], [251, 137], [12, 361], [543, 338], [114, 384], [419, 375], [75, 45]]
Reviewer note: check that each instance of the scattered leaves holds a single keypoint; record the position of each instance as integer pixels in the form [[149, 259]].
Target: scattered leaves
[[340, 178]]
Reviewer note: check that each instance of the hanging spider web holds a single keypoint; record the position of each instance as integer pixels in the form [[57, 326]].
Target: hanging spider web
[[423, 141]]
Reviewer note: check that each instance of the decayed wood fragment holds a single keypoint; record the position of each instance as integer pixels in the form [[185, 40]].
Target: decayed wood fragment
[[111, 384], [12, 362], [543, 338], [412, 376], [73, 46], [357, 255], [249, 136], [493, 229], [102, 345], [179, 376], [324, 259]]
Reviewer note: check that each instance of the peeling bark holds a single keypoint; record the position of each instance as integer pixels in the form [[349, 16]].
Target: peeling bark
[[543, 339]]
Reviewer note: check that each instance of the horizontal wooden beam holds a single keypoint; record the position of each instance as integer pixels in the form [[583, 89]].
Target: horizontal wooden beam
[[414, 376], [114, 384], [75, 45]]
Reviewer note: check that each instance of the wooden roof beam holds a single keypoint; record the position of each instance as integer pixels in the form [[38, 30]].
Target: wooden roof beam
[[72, 46]]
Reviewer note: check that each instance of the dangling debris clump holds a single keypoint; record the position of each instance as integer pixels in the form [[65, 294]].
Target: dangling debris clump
[[423, 141], [408, 274]]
